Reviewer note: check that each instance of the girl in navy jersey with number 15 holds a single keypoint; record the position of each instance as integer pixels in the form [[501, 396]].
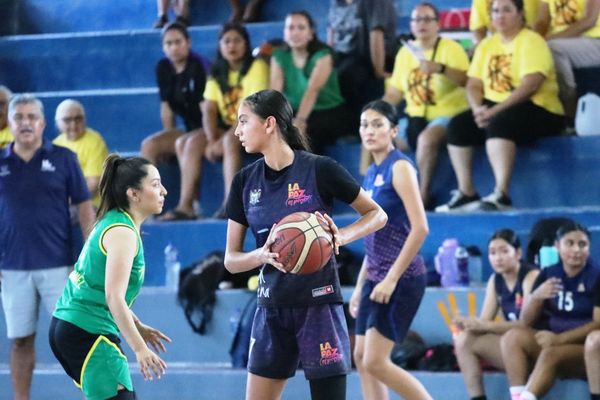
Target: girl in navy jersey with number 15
[[300, 318]]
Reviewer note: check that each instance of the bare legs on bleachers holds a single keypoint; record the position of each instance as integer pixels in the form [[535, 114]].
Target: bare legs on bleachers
[[501, 153], [592, 361], [470, 349], [428, 147], [378, 371]]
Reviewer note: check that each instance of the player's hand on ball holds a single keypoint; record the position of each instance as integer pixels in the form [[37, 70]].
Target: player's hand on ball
[[150, 364], [153, 337], [333, 230], [266, 256]]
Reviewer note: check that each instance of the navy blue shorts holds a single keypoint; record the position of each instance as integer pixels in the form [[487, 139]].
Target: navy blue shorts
[[392, 320], [314, 337]]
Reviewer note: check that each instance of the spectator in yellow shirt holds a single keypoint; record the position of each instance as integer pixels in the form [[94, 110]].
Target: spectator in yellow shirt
[[5, 134], [480, 21], [85, 142], [572, 28], [513, 95], [429, 74]]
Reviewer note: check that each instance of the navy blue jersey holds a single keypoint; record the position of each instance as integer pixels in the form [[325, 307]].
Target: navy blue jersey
[[35, 225], [265, 202], [511, 301], [574, 305], [383, 246]]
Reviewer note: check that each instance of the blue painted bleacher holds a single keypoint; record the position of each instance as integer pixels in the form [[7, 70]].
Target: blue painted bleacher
[[109, 65]]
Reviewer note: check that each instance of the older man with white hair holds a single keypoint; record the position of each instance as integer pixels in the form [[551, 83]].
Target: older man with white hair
[[88, 144]]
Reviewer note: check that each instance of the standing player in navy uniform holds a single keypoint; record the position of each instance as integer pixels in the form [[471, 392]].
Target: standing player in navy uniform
[[507, 289], [562, 299], [299, 317], [392, 280]]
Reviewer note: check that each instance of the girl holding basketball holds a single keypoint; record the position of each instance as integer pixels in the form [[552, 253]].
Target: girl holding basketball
[[299, 317], [392, 280]]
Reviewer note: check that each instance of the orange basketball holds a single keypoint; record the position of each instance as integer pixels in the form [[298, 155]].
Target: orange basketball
[[303, 243]]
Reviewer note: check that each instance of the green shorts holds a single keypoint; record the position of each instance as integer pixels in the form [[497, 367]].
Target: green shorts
[[96, 363]]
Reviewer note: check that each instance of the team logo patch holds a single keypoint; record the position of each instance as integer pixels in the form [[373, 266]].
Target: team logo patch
[[48, 166], [322, 291], [297, 195], [255, 196], [4, 171], [329, 354], [378, 180], [581, 287]]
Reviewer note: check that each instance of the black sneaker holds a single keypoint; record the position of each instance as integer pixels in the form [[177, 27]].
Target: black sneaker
[[160, 22], [460, 202], [496, 201]]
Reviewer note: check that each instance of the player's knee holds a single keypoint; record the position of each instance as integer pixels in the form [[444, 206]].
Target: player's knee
[[374, 365], [592, 343]]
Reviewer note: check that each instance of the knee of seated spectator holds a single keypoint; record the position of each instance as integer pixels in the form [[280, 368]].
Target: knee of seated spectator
[[24, 343], [549, 358], [463, 341], [148, 147], [514, 339], [429, 139], [592, 342]]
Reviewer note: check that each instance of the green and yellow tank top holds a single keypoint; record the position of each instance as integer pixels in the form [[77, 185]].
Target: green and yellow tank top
[[83, 302]]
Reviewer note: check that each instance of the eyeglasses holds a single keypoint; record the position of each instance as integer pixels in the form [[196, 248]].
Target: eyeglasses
[[18, 118], [423, 19], [77, 119]]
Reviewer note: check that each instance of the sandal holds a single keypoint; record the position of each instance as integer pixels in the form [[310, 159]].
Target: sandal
[[177, 215]]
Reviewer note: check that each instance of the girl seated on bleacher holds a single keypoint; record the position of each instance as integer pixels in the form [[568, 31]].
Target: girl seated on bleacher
[[513, 96], [506, 290], [303, 71], [561, 311]]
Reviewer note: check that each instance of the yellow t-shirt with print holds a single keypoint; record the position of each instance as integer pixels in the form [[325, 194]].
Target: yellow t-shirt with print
[[256, 79], [502, 66], [481, 14], [564, 13], [432, 94], [91, 152], [6, 137]]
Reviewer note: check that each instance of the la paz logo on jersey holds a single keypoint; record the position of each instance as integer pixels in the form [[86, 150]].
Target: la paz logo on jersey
[[297, 195]]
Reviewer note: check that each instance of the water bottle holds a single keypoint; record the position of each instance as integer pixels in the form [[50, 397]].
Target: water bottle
[[445, 262], [462, 265], [172, 268], [475, 266], [548, 254]]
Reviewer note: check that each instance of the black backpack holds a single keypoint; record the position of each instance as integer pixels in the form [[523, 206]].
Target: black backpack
[[240, 345], [197, 290]]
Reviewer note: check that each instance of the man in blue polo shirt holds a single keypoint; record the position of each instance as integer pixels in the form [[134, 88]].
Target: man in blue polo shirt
[[38, 183]]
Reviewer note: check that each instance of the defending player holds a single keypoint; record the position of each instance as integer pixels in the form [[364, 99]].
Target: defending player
[[107, 278]]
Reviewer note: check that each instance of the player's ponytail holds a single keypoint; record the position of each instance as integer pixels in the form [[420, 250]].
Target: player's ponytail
[[271, 103], [118, 175]]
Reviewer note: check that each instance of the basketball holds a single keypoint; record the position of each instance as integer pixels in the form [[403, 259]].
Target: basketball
[[303, 243]]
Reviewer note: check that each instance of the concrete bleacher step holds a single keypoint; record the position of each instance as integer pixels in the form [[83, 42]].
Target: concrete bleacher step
[[202, 383], [100, 60], [199, 366]]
